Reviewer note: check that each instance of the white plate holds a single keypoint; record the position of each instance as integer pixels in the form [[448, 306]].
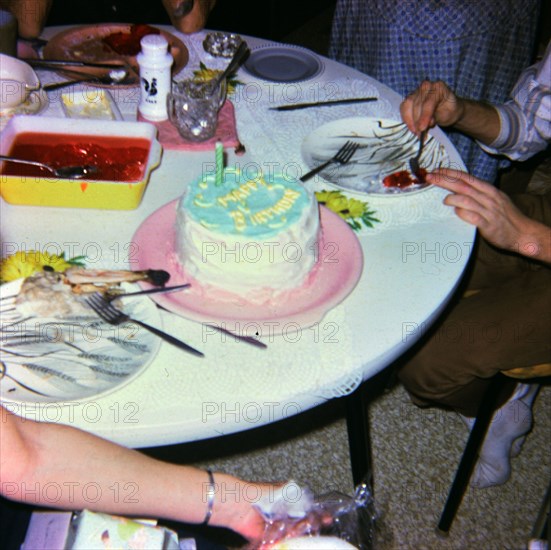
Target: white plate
[[57, 360], [314, 543], [386, 147], [338, 271], [283, 63], [36, 103]]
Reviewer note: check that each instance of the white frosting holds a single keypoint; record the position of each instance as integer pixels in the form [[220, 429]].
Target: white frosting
[[254, 261]]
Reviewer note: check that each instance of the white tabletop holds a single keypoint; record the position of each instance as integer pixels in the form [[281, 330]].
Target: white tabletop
[[413, 261]]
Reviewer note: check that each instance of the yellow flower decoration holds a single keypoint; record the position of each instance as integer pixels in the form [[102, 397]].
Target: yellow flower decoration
[[356, 208], [323, 196], [338, 203], [24, 264], [204, 74], [351, 210]]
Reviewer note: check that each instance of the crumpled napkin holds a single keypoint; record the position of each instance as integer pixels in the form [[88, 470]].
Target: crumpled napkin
[[288, 512], [289, 501], [226, 132]]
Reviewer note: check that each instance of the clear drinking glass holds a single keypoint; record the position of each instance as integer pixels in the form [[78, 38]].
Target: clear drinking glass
[[193, 108]]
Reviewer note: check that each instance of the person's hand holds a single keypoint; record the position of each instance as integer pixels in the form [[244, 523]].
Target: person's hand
[[433, 103], [235, 508], [192, 21], [499, 221], [245, 519], [251, 525], [291, 528], [31, 15]]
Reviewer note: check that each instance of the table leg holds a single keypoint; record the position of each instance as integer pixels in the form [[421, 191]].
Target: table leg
[[357, 422]]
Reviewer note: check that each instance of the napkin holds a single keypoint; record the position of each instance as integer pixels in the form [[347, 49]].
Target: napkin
[[226, 132], [288, 501], [94, 530]]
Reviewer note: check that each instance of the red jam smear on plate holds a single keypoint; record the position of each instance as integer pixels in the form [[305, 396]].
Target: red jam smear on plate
[[118, 158], [404, 178]]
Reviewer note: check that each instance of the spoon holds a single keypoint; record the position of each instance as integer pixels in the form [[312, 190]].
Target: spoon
[[105, 80], [119, 76], [66, 172], [65, 64], [235, 62]]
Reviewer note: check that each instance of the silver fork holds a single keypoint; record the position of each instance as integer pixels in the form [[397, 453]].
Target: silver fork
[[240, 337], [342, 156], [114, 316], [414, 161]]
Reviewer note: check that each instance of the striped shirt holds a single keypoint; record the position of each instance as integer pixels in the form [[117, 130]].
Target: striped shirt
[[526, 117], [478, 47]]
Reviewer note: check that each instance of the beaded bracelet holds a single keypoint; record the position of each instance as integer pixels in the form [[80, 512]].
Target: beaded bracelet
[[210, 498]]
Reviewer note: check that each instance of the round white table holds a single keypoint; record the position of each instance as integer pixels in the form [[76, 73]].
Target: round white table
[[413, 261]]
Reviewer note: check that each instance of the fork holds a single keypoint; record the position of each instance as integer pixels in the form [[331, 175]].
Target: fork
[[342, 156], [113, 316], [240, 337], [414, 161]]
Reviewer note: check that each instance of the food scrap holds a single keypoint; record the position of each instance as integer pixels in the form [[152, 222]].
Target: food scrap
[[50, 293], [404, 178], [129, 43]]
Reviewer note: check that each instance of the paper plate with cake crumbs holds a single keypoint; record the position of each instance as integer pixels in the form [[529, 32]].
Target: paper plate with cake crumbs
[[109, 43], [381, 164], [339, 268], [64, 359]]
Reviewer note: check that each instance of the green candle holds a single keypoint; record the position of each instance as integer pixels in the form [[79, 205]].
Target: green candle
[[219, 153]]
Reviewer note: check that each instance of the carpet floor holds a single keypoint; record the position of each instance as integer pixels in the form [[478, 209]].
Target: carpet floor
[[415, 453]]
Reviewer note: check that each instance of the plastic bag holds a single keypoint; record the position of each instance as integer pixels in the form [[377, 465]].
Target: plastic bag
[[295, 512]]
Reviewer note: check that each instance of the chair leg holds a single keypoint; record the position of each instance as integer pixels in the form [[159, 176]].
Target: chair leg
[[470, 454], [542, 528]]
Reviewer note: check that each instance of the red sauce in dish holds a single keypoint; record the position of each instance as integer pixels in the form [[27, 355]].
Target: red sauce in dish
[[118, 158], [125, 43], [404, 178]]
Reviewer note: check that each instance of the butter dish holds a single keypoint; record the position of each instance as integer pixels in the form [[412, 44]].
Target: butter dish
[[89, 102]]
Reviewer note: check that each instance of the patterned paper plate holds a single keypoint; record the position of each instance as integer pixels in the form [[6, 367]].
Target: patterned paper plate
[[67, 359], [386, 147]]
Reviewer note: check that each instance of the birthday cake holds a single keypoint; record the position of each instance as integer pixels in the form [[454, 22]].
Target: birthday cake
[[254, 238]]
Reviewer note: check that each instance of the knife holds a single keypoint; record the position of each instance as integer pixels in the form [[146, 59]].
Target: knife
[[164, 289], [59, 63], [294, 106], [240, 337]]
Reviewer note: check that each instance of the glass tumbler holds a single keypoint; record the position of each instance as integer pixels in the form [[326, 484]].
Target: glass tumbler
[[193, 108]]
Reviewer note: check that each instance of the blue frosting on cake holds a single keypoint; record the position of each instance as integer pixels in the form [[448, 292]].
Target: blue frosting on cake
[[250, 207]]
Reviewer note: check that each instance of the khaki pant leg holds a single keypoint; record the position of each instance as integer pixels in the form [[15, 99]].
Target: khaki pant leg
[[496, 329], [505, 325], [493, 266]]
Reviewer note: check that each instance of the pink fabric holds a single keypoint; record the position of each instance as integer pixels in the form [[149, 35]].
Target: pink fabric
[[226, 132]]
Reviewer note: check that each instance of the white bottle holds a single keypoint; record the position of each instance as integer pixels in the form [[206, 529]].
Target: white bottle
[[155, 76]]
